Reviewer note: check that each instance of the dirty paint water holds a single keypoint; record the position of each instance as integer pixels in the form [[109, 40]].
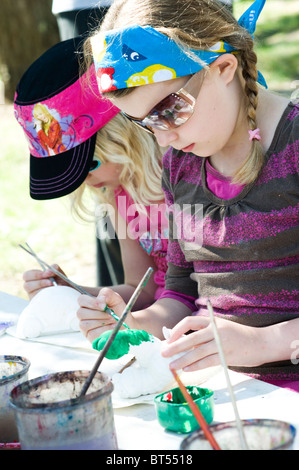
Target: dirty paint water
[[49, 416], [13, 371]]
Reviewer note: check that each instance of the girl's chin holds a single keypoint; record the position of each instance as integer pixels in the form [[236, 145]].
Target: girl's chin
[[197, 150], [201, 151], [189, 148]]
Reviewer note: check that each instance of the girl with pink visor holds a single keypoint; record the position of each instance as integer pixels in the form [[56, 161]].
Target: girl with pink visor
[[78, 140]]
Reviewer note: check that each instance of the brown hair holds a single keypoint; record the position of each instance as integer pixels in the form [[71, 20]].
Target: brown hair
[[196, 24]]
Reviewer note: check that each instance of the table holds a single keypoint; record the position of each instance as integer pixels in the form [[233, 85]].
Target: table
[[137, 427]]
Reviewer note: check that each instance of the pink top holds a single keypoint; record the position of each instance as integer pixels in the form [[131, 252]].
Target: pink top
[[149, 229], [153, 235], [221, 185], [247, 262]]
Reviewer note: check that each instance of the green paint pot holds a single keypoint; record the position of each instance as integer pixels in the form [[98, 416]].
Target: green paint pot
[[174, 413]]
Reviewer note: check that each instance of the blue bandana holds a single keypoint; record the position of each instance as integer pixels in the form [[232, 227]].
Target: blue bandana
[[140, 55]]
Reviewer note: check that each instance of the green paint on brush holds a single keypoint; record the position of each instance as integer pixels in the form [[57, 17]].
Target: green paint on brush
[[122, 342]]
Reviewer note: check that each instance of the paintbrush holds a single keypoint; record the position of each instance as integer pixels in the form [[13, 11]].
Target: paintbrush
[[41, 265], [196, 412], [229, 386], [80, 289], [111, 338]]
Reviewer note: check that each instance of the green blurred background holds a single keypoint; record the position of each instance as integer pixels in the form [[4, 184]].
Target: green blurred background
[[27, 29]]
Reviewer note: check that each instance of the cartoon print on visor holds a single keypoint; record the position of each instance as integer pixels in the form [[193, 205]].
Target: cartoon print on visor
[[48, 132], [48, 129]]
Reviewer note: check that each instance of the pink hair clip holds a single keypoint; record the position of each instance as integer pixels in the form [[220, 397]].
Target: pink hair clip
[[255, 134]]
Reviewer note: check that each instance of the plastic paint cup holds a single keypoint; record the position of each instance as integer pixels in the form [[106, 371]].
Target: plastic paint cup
[[174, 413], [260, 434], [50, 417], [13, 371]]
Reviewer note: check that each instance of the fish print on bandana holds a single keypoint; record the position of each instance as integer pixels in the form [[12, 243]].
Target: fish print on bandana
[[152, 74], [140, 55], [131, 55]]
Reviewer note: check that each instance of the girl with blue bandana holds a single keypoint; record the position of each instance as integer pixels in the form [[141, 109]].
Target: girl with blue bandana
[[186, 71]]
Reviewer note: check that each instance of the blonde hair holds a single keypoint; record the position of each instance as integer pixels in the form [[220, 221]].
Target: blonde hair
[[121, 141], [43, 109], [196, 24]]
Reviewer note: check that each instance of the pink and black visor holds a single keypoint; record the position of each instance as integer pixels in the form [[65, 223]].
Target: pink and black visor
[[60, 113]]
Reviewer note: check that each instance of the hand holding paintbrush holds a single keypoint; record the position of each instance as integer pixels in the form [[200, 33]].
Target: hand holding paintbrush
[[104, 351], [62, 276]]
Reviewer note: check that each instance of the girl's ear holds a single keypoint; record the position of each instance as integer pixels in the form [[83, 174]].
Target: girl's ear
[[227, 65]]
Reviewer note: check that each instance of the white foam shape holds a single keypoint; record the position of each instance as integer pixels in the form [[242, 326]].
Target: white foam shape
[[149, 374], [52, 310], [166, 332]]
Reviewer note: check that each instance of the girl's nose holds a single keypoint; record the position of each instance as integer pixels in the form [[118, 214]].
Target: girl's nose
[[165, 138]]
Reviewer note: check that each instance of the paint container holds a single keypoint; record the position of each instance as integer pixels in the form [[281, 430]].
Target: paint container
[[174, 413], [13, 371], [49, 415], [260, 434]]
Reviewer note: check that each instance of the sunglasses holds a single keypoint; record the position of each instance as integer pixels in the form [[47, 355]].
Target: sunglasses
[[174, 110], [94, 165]]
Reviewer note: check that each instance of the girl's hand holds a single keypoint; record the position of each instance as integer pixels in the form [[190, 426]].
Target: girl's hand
[[35, 280], [242, 345], [93, 318]]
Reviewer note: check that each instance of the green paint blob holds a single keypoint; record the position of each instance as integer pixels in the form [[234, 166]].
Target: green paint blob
[[122, 342]]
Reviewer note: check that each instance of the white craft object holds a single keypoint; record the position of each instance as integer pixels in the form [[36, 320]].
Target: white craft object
[[52, 310], [149, 374]]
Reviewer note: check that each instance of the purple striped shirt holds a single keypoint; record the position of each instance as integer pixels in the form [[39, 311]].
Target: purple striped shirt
[[247, 260]]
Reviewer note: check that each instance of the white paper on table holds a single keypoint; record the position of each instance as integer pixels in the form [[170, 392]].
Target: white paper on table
[[70, 339], [11, 310]]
